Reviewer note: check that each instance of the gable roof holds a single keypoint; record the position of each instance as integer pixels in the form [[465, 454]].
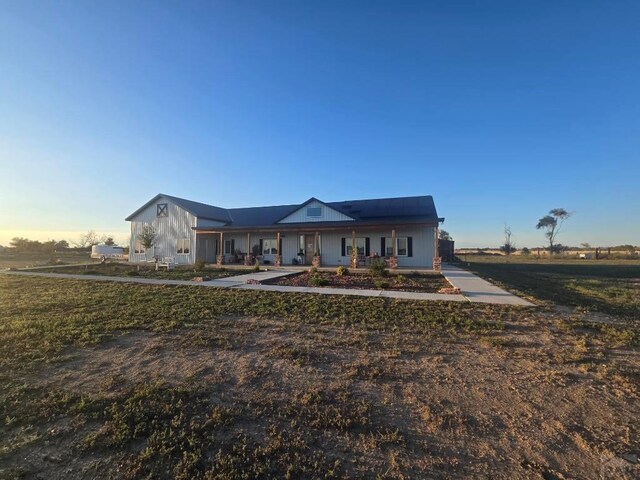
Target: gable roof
[[418, 209], [311, 200], [200, 210]]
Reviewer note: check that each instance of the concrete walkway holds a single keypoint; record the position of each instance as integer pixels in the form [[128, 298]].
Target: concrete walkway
[[479, 290], [474, 289]]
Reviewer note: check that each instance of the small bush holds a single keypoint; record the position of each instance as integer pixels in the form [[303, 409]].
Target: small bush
[[342, 270], [318, 281], [378, 268], [132, 273], [313, 270], [381, 284], [256, 266], [198, 266]]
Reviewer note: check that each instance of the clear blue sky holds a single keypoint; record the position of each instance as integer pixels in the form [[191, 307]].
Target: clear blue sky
[[500, 110]]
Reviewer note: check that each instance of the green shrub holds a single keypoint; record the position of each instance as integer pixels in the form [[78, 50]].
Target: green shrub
[[378, 268], [381, 284], [198, 266], [132, 273], [342, 270], [256, 266], [313, 270], [318, 281]]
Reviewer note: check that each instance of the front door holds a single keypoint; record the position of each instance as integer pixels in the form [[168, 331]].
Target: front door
[[309, 248]]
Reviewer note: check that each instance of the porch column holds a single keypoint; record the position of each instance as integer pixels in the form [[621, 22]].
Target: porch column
[[278, 260], [437, 260], [354, 250], [316, 254], [393, 261], [247, 257], [220, 257]]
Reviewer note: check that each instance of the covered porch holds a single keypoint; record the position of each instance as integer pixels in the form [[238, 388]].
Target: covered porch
[[306, 245]]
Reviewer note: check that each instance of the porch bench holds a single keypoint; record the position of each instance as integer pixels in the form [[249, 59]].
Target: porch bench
[[167, 262]]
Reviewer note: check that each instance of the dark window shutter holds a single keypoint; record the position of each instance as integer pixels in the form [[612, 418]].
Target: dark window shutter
[[367, 246], [260, 253], [233, 247], [383, 247], [216, 248], [409, 246], [344, 246], [280, 246]]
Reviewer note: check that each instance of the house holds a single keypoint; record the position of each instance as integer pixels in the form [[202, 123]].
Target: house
[[403, 230]]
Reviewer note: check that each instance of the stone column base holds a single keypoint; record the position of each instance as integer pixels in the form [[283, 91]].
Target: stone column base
[[247, 260], [392, 262], [437, 264], [220, 260], [277, 261], [316, 261]]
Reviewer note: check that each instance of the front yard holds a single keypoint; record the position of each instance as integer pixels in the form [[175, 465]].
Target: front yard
[[103, 380], [147, 271]]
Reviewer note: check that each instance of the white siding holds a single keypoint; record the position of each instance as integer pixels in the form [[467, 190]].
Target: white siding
[[328, 215], [178, 224], [422, 238]]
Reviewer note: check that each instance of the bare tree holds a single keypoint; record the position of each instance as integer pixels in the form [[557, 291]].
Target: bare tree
[[552, 224], [86, 240], [444, 235], [509, 246]]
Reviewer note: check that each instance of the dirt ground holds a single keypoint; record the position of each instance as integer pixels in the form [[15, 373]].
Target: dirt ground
[[533, 401]]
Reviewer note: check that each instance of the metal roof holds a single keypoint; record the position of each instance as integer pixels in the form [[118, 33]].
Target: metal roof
[[383, 210]]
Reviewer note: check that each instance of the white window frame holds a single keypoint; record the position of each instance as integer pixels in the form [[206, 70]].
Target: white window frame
[[319, 209], [273, 246], [361, 245], [183, 246], [138, 247], [389, 244]]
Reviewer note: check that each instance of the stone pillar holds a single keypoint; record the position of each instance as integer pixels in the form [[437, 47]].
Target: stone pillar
[[277, 261], [354, 250], [437, 264], [317, 254], [220, 257], [247, 257], [393, 261]]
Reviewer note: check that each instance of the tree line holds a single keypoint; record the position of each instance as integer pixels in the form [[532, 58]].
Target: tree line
[[84, 242]]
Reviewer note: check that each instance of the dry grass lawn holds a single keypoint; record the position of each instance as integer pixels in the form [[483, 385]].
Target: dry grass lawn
[[136, 381]]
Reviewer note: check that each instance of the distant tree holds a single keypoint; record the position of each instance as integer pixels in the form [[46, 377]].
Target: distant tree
[[87, 240], [525, 251], [61, 245], [444, 235], [551, 224], [509, 246], [585, 245], [107, 240]]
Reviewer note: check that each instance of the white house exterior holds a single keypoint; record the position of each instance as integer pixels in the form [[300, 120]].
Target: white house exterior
[[402, 230]]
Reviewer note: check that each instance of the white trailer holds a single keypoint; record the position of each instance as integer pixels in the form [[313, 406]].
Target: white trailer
[[108, 251]]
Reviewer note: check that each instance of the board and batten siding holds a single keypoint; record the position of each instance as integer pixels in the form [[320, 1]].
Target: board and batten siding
[[422, 243], [328, 214], [177, 224]]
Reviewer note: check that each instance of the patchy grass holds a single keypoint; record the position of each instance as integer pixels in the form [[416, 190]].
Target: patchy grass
[[139, 381], [10, 259], [146, 271], [611, 287]]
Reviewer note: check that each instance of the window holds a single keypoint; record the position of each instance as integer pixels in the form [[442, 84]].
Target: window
[[162, 210], [401, 243], [229, 247], [138, 248], [360, 245], [184, 246], [269, 246], [314, 212]]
